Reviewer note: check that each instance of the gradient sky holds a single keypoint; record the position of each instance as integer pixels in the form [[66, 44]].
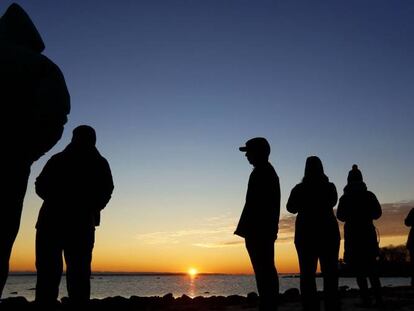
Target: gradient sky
[[174, 87]]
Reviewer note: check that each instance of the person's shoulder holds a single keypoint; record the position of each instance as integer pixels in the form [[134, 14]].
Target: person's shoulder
[[331, 185], [56, 159], [371, 195], [57, 156], [46, 65], [102, 160], [298, 187], [271, 170]]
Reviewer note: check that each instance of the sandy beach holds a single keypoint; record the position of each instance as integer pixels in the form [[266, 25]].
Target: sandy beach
[[395, 298]]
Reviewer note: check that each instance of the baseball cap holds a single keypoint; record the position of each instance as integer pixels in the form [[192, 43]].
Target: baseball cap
[[257, 144]]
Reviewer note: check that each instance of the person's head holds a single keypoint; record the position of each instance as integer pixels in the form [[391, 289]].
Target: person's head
[[84, 137], [257, 150], [354, 175], [314, 169]]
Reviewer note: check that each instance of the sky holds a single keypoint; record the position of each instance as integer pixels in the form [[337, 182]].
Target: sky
[[173, 88]]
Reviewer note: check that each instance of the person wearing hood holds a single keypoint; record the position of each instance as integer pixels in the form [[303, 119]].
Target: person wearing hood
[[35, 103], [409, 222], [316, 235], [75, 184], [358, 207]]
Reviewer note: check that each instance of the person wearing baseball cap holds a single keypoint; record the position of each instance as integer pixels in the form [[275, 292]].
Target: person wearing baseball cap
[[258, 224]]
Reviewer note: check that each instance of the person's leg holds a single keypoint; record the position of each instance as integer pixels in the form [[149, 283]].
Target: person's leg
[[262, 257], [308, 262], [374, 279], [78, 257], [329, 268], [15, 175], [412, 266], [49, 266]]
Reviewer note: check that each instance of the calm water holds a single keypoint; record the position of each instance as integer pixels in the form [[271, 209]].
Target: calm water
[[152, 285]]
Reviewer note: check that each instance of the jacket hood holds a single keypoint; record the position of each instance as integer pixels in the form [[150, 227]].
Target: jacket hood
[[16, 27]]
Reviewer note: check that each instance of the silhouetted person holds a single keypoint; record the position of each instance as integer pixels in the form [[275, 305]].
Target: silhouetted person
[[358, 207], [34, 103], [409, 221], [259, 221], [76, 184], [316, 234]]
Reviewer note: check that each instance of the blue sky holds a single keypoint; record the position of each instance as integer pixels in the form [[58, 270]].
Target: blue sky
[[174, 87]]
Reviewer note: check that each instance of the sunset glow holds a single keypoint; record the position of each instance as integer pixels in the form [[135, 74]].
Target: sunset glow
[[174, 88], [192, 272]]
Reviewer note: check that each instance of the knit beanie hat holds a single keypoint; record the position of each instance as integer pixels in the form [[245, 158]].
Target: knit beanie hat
[[355, 174]]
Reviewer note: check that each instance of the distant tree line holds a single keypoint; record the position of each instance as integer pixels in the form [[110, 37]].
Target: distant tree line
[[393, 261]]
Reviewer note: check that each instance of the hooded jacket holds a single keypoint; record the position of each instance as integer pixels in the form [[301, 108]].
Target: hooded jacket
[[358, 207], [33, 94], [75, 184], [409, 222], [313, 201]]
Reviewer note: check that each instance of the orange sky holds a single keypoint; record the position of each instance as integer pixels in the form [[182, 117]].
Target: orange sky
[[209, 245]]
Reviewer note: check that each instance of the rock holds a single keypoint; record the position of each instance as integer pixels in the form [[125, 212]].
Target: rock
[[252, 298], [168, 298]]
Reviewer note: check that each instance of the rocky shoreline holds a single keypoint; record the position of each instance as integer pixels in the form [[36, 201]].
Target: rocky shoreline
[[395, 298]]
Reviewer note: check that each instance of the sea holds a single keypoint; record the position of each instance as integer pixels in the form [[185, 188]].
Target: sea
[[127, 285]]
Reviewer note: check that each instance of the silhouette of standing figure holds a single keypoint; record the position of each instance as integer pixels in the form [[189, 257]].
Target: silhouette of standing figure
[[409, 222], [259, 221], [316, 234], [76, 184], [358, 207], [35, 103]]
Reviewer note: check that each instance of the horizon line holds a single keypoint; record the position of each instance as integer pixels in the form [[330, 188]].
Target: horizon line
[[140, 273]]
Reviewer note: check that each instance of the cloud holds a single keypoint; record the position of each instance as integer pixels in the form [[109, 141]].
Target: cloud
[[390, 224], [213, 232], [217, 232], [220, 244]]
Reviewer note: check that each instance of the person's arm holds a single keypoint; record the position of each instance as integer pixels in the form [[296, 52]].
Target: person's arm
[[332, 195], [45, 181], [376, 210], [294, 202], [107, 184], [409, 220], [52, 105], [276, 204], [341, 212]]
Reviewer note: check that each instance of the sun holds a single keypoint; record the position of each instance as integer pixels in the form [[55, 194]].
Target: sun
[[192, 272]]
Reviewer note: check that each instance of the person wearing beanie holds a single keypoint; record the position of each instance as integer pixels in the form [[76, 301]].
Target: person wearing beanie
[[75, 185], [358, 208]]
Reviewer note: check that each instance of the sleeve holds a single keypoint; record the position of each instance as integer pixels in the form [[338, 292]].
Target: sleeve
[[107, 185], [45, 181], [409, 220], [50, 109], [375, 206], [341, 212], [333, 195], [294, 202]]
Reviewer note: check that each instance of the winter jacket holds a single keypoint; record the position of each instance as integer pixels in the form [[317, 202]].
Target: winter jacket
[[316, 224], [75, 186], [260, 216], [409, 222], [33, 95], [358, 207]]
